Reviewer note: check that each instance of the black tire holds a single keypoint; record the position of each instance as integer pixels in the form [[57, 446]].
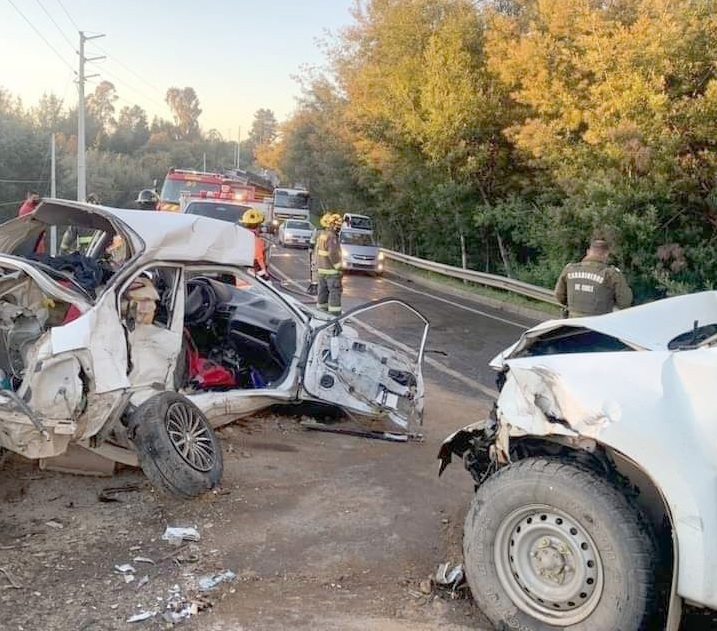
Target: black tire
[[159, 429], [553, 546]]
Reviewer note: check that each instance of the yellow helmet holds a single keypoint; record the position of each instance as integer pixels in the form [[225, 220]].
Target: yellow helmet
[[333, 220], [252, 218], [324, 221]]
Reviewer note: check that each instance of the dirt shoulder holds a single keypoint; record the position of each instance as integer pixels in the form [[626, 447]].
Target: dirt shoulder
[[321, 531]]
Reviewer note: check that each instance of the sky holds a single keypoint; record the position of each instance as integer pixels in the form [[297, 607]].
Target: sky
[[238, 55]]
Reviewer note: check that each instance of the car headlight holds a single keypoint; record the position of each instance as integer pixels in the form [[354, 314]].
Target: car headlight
[[344, 253], [380, 256]]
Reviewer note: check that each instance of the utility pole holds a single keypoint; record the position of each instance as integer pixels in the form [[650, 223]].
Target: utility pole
[[82, 77], [53, 194], [238, 147]]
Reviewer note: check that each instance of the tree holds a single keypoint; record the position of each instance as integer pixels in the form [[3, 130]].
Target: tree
[[100, 121], [184, 104], [131, 132], [264, 127]]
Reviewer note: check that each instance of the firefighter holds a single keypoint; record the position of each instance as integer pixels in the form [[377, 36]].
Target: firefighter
[[146, 199], [252, 220], [328, 260], [313, 281]]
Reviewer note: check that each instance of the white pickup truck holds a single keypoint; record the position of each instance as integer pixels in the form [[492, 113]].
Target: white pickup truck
[[596, 500]]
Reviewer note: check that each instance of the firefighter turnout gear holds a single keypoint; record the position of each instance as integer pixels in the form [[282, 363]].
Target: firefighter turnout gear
[[592, 287], [328, 263]]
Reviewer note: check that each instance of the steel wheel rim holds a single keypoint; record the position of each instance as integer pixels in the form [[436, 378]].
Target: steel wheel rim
[[548, 565], [190, 436]]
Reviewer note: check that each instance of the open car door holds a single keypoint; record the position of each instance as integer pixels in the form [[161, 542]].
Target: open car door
[[368, 362]]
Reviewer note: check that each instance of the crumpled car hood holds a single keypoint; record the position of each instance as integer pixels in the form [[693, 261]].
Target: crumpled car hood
[[646, 327]]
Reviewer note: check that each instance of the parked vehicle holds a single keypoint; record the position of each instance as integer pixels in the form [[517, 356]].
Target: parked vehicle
[[196, 183], [137, 348], [225, 207], [595, 505], [290, 203], [295, 233], [360, 252]]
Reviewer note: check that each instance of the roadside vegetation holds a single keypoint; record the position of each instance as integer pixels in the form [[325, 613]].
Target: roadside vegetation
[[496, 135]]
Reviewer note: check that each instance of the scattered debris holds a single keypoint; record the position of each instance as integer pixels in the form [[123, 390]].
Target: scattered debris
[[176, 535], [210, 581], [142, 615], [452, 578], [54, 524], [142, 581], [143, 560], [125, 568], [13, 583], [126, 571], [109, 494], [445, 577], [363, 433]]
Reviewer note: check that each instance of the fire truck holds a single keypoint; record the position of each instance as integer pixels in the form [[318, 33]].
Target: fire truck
[[185, 182]]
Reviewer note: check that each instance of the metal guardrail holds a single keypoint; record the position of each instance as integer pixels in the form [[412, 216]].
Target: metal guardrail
[[491, 280]]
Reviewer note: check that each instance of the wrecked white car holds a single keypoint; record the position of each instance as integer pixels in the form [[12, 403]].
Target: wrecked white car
[[596, 505], [135, 348]]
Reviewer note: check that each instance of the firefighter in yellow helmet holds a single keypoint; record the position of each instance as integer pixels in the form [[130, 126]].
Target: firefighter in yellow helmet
[[328, 259], [252, 220]]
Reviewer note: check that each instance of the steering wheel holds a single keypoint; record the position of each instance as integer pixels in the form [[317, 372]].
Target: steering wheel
[[200, 302]]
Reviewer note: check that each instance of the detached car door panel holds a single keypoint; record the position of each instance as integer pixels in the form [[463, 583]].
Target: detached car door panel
[[369, 363]]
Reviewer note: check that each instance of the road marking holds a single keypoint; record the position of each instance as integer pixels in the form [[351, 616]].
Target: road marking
[[460, 306], [467, 381]]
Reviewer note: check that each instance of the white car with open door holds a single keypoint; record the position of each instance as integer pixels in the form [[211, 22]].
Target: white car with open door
[[136, 348]]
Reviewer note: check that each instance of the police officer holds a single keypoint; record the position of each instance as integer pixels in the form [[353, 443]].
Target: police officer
[[328, 262], [592, 287]]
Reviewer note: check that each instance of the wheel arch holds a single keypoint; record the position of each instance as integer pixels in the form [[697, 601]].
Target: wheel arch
[[643, 491]]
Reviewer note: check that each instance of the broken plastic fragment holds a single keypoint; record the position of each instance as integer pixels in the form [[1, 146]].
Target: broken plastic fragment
[[125, 568], [143, 560], [142, 615], [444, 576], [210, 581], [175, 535]]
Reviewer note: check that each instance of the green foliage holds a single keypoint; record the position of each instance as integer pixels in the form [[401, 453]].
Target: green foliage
[[506, 133]]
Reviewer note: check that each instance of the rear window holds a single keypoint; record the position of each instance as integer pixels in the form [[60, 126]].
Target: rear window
[[358, 221], [299, 225], [217, 210]]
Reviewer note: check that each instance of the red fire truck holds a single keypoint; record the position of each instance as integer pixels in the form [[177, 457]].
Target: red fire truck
[[185, 182]]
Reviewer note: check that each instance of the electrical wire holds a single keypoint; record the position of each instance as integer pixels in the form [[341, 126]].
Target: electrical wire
[[47, 13], [128, 69], [131, 87], [41, 36], [5, 181], [69, 17]]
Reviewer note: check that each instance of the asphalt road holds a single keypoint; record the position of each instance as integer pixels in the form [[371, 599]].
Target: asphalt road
[[463, 337]]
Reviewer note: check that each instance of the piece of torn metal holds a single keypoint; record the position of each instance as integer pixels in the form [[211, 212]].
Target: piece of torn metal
[[362, 433]]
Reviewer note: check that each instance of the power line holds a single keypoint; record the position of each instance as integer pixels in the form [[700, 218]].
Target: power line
[[47, 13], [131, 87], [69, 17], [128, 69], [42, 37]]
